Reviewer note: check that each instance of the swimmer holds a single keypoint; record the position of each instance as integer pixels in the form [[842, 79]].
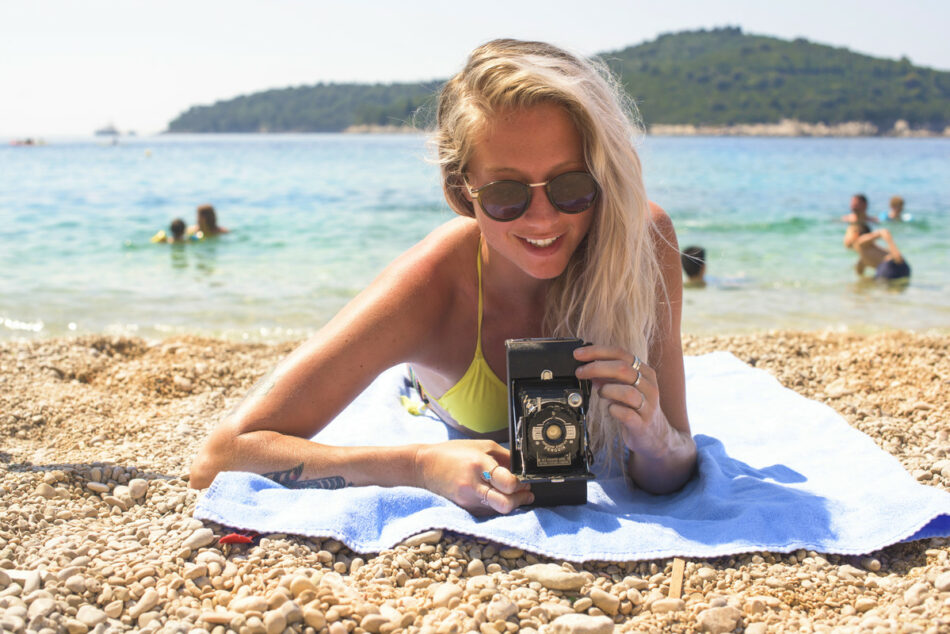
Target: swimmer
[[207, 226], [694, 266], [175, 234]]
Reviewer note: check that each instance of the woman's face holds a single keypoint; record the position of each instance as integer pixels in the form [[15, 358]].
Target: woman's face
[[531, 145]]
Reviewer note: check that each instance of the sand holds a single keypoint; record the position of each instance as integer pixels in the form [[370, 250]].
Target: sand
[[96, 533]]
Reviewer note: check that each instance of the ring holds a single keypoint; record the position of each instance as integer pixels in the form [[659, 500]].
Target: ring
[[637, 382], [486, 475], [636, 363], [643, 400], [484, 499]]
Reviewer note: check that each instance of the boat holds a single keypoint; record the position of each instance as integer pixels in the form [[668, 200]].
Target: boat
[[107, 130]]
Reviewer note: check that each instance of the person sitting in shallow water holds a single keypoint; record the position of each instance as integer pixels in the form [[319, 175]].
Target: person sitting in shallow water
[[895, 212], [693, 259], [889, 264], [176, 233], [556, 237], [207, 224]]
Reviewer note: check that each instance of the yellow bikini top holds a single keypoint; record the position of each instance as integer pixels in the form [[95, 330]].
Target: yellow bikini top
[[479, 401]]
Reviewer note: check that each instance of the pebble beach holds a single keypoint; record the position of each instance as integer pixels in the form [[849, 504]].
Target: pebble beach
[[97, 534]]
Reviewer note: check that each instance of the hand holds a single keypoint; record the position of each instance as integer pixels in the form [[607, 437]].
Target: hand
[[455, 470], [633, 397]]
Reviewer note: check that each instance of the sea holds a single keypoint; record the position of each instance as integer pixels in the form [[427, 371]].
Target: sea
[[314, 218]]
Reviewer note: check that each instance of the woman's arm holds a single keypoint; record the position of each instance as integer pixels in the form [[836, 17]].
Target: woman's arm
[[399, 317], [653, 413]]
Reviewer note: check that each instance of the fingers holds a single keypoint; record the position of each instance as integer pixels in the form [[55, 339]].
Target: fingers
[[608, 364], [492, 498]]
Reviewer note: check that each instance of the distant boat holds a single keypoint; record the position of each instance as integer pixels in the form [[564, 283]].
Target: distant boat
[[107, 130]]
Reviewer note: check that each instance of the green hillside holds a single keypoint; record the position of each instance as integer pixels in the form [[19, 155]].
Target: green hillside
[[716, 77]]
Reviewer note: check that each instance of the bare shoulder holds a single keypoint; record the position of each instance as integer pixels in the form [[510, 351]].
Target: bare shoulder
[[664, 235], [433, 266]]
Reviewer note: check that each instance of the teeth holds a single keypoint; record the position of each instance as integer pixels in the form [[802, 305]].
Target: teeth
[[541, 243]]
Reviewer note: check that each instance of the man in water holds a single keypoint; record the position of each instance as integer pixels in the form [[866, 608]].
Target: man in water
[[888, 263], [694, 266]]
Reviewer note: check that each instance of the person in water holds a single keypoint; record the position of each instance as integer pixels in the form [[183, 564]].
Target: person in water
[[694, 266], [175, 234], [895, 212], [207, 223], [889, 263], [556, 237]]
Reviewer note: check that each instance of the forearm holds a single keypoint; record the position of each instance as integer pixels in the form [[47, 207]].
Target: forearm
[[299, 462], [666, 467]]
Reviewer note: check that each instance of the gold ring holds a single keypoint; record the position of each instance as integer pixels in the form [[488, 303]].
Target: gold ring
[[484, 499], [486, 475]]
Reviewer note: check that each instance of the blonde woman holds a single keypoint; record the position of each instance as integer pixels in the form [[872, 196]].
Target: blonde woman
[[555, 238]]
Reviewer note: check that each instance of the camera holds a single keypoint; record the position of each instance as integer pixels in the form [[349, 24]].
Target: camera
[[547, 420]]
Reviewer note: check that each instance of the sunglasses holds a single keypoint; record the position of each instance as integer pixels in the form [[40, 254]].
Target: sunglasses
[[570, 193]]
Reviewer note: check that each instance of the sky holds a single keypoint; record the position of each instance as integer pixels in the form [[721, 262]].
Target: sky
[[69, 67]]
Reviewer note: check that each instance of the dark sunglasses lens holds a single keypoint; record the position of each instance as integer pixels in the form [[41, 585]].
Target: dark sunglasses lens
[[573, 192], [504, 200]]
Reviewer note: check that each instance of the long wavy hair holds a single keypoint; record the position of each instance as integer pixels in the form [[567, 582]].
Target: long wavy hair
[[608, 292]]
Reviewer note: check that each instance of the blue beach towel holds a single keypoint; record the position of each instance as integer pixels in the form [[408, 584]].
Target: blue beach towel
[[777, 472]]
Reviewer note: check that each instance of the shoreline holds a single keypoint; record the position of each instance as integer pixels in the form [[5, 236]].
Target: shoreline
[[96, 529], [784, 128]]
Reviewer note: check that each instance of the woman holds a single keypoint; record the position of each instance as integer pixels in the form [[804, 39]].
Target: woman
[[556, 238], [888, 264], [207, 226]]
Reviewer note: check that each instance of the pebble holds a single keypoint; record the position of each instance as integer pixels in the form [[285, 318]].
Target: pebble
[[579, 624], [199, 538], [942, 582], [90, 616], [662, 606], [97, 487], [718, 620], [863, 604], [916, 594], [475, 568], [501, 608], [443, 593], [428, 537], [554, 577], [138, 488], [41, 607], [605, 601], [148, 601]]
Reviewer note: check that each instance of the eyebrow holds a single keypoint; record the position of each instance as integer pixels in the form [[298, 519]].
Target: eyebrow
[[504, 171]]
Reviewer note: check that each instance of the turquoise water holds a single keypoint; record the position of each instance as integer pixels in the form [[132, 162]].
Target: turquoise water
[[315, 217]]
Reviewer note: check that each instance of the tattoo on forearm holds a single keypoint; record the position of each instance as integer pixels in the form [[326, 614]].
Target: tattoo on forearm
[[290, 478]]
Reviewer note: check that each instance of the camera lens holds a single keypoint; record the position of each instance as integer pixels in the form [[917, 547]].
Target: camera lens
[[553, 433]]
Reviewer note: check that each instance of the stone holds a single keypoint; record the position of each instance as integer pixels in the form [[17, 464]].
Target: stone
[[148, 601], [217, 618], [475, 568], [574, 623], [97, 487], [253, 603], [718, 620], [554, 577], [300, 584], [42, 606], [428, 537], [510, 553], [372, 622], [74, 626], [605, 601], [442, 593], [915, 595], [942, 582], [114, 609], [863, 604], [756, 628], [4, 579], [314, 618], [199, 538], [501, 608], [662, 606], [45, 491], [274, 622], [138, 488]]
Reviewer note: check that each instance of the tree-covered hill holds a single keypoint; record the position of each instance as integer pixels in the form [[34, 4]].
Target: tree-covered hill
[[715, 77]]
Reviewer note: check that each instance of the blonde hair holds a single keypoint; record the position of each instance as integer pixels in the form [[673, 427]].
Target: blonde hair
[[897, 201], [609, 289]]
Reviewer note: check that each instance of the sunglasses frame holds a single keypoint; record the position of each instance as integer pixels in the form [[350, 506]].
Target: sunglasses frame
[[475, 193]]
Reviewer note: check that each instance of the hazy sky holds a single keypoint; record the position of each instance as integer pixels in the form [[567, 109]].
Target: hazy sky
[[69, 67]]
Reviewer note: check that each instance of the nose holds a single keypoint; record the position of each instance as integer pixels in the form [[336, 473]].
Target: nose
[[540, 210]]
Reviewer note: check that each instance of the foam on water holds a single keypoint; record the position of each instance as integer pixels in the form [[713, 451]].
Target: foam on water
[[315, 217]]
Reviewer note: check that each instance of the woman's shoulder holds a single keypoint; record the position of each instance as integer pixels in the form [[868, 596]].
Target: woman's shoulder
[[436, 263]]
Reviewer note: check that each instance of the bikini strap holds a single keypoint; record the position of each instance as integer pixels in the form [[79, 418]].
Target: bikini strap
[[478, 268]]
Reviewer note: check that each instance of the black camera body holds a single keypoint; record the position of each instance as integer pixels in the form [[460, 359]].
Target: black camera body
[[547, 420]]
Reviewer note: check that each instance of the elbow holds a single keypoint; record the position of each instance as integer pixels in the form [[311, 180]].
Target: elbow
[[211, 458]]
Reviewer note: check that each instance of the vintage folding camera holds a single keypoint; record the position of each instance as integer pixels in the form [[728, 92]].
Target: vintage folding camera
[[547, 420]]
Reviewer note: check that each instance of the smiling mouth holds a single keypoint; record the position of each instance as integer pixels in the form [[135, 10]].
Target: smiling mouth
[[541, 243]]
